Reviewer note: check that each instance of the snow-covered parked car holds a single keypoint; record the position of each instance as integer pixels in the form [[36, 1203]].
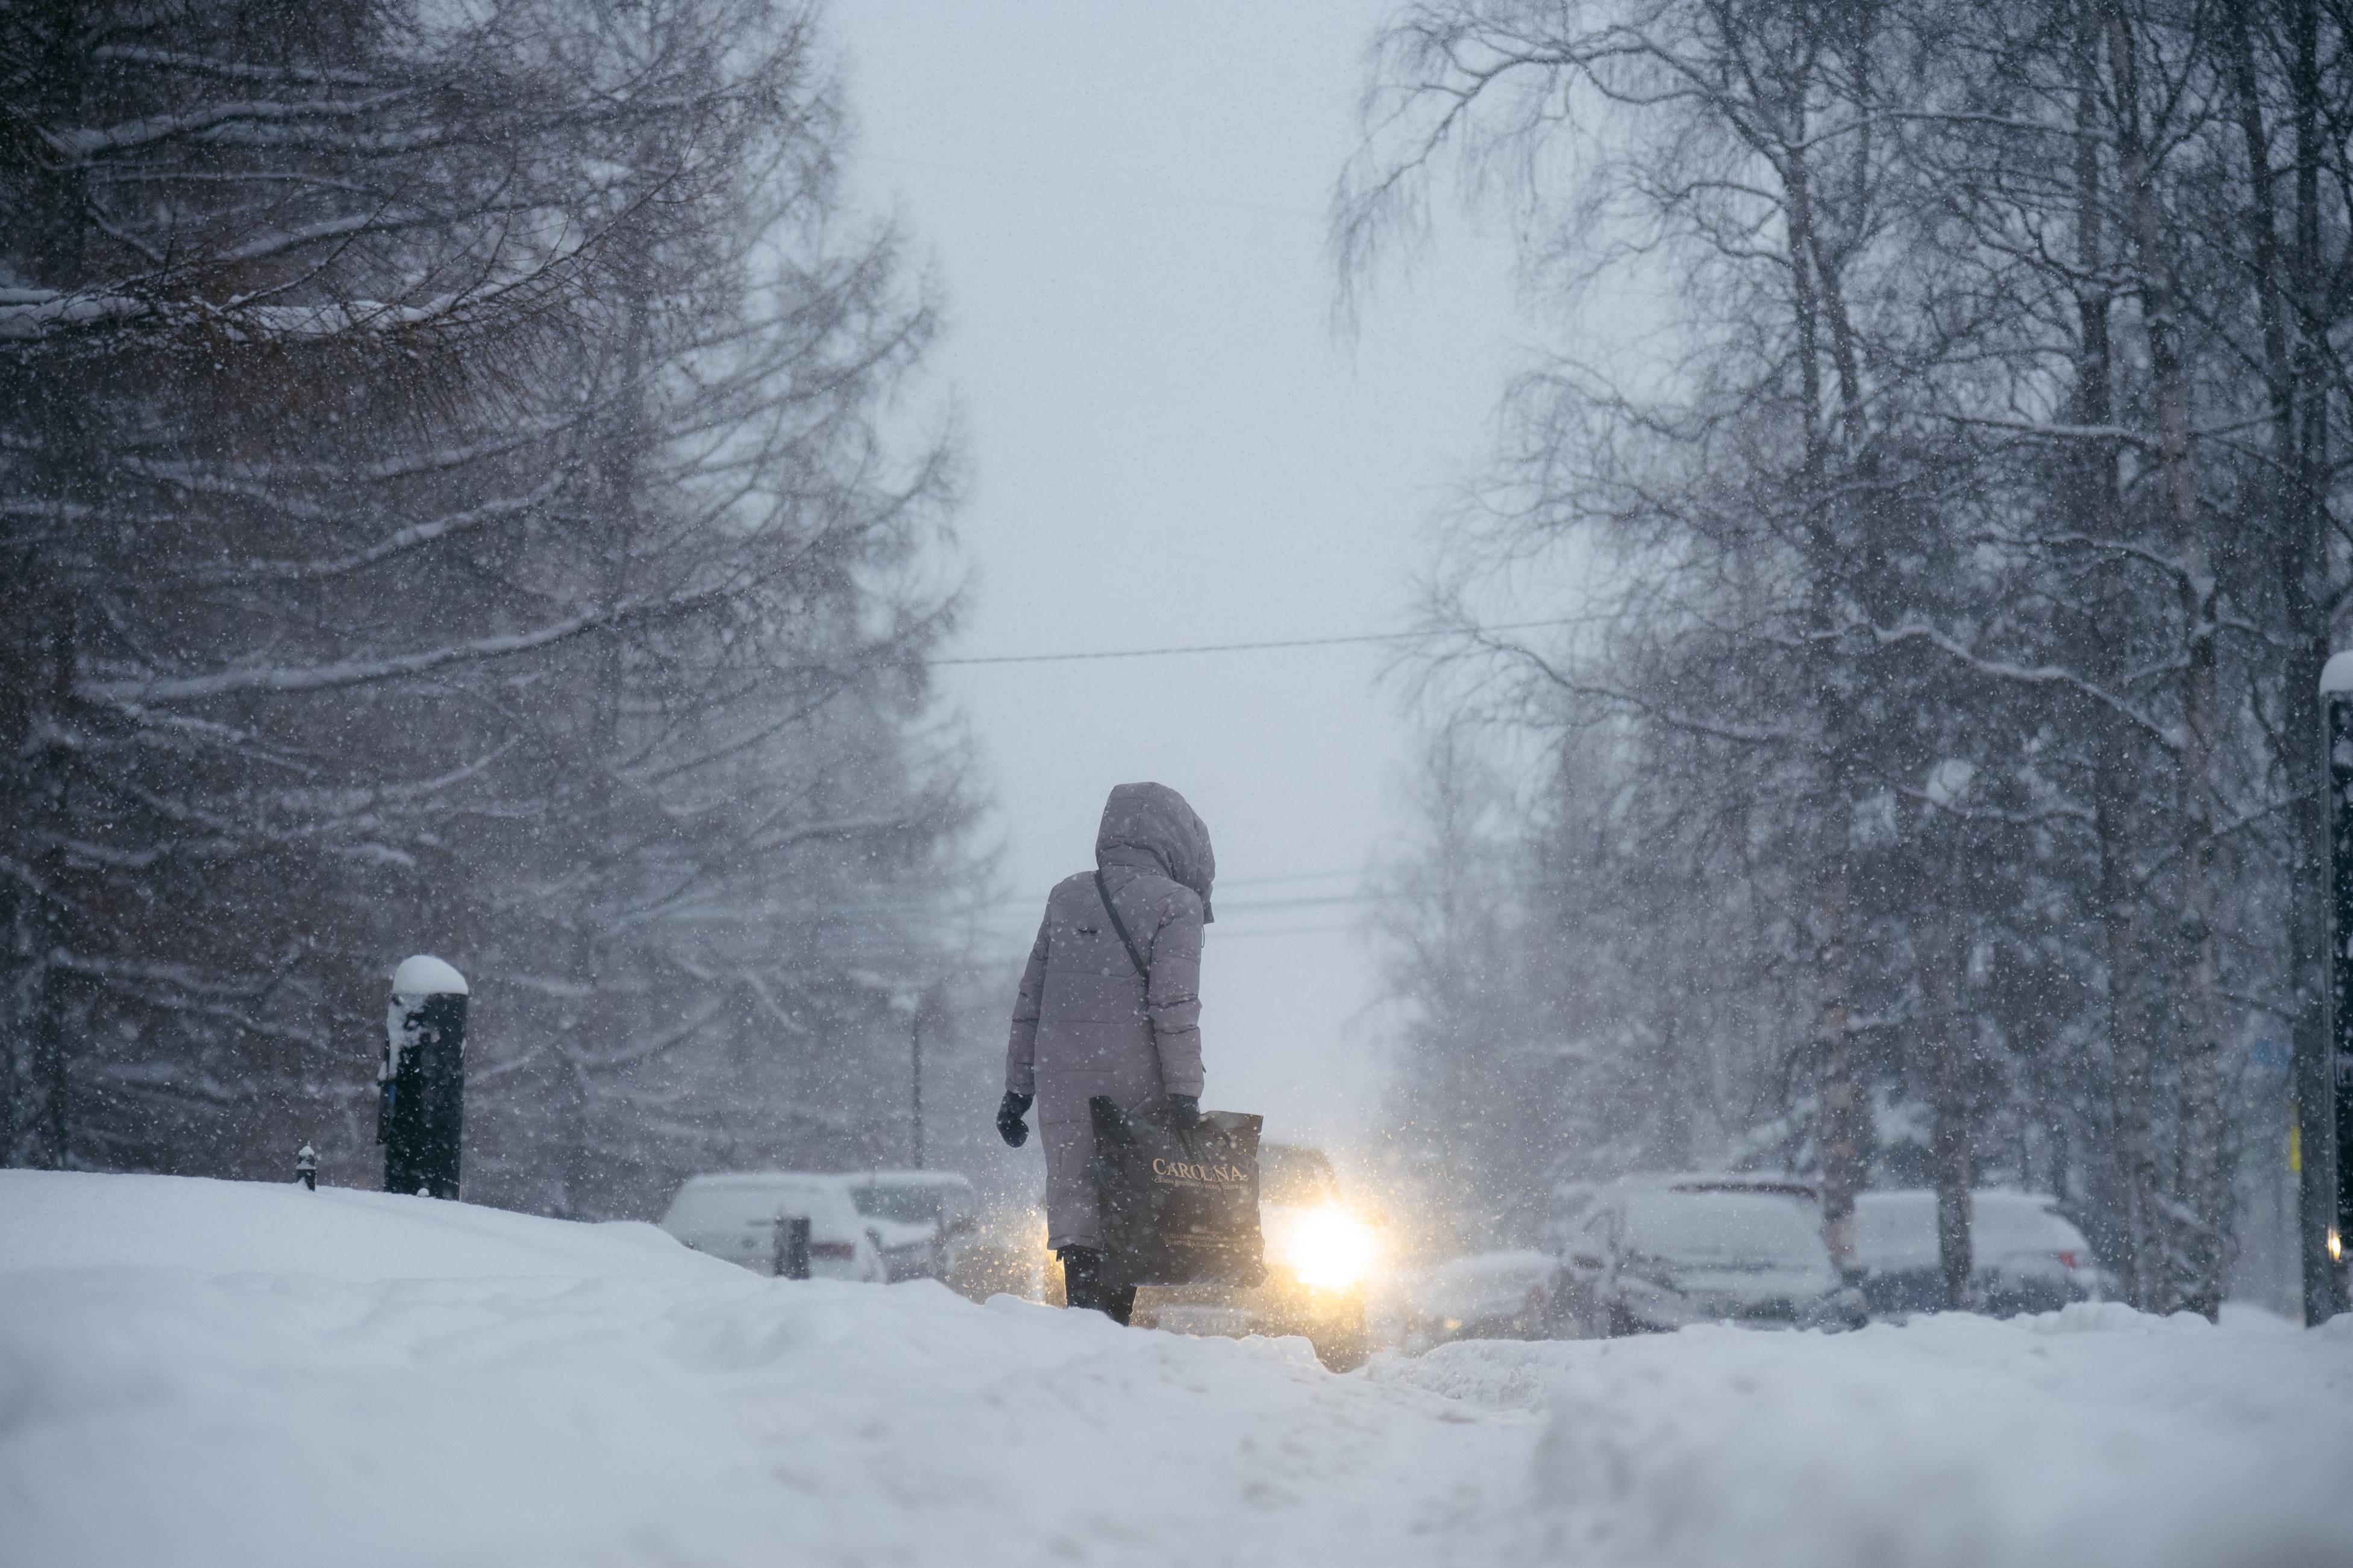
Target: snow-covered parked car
[[919, 1217], [2025, 1256], [745, 1217], [1661, 1252], [1564, 1213], [1486, 1296]]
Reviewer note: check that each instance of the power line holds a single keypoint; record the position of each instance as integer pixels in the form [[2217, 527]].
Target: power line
[[1249, 646], [1012, 916], [1022, 907], [1242, 907], [1222, 937], [1022, 903], [1288, 876], [1122, 191]]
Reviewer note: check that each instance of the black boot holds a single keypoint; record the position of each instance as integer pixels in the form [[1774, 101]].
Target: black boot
[[1083, 1285], [1118, 1304]]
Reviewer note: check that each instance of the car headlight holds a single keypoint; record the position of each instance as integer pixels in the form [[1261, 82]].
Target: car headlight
[[1326, 1247]]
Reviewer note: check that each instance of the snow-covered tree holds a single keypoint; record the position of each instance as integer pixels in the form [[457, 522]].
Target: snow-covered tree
[[445, 503], [1964, 533]]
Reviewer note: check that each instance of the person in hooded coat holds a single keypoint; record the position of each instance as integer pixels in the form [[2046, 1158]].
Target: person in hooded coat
[[1091, 1018]]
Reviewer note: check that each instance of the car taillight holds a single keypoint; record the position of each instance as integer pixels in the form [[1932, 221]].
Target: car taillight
[[840, 1251], [2067, 1260]]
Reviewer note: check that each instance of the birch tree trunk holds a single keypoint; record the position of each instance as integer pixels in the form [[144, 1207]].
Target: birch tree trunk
[[1937, 964], [2202, 1252], [2114, 783], [1834, 768]]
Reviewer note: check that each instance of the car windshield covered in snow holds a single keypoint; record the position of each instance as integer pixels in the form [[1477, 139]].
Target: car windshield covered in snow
[[913, 1197], [1724, 1229], [715, 1203], [1292, 1177], [908, 1206]]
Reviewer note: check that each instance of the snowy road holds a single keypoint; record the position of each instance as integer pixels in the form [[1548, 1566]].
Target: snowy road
[[204, 1372]]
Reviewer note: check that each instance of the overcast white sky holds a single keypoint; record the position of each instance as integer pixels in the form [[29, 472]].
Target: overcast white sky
[[1124, 205]]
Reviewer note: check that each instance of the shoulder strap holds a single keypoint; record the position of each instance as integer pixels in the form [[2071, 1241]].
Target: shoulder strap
[[1119, 926]]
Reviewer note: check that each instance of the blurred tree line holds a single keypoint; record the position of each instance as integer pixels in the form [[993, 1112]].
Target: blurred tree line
[[1936, 466], [455, 494]]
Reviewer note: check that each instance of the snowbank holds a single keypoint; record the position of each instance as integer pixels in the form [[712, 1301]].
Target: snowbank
[[51, 1220], [2091, 1437], [206, 1372], [203, 1373]]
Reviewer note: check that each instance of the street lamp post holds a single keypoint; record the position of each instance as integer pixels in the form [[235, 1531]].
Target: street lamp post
[[2324, 1079], [913, 1005], [915, 1078]]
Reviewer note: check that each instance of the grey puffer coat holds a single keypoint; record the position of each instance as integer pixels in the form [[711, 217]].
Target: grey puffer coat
[[1085, 1022]]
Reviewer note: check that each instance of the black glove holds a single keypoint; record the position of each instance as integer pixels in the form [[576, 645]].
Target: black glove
[[1181, 1110], [1010, 1125]]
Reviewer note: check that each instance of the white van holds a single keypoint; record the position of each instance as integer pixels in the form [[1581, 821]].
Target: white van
[[742, 1216]]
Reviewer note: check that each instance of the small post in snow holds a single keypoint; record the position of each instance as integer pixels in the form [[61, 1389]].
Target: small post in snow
[[2323, 1080], [306, 1167], [792, 1247], [420, 1116]]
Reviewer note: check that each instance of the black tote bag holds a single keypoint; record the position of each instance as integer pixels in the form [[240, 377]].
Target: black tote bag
[[1178, 1206]]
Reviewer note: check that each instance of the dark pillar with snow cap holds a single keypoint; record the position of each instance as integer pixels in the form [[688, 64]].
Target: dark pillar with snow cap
[[422, 1114], [2323, 1080]]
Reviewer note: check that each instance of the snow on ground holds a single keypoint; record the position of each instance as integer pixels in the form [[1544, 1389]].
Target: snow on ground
[[2095, 1435], [204, 1372]]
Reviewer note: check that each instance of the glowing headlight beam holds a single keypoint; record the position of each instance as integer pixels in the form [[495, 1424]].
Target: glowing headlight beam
[[1326, 1247]]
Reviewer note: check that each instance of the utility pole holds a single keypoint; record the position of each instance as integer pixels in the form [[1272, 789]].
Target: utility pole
[[2324, 1087], [915, 1078]]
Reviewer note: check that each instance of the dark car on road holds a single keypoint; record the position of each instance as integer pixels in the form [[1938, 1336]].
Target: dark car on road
[[1486, 1296], [1320, 1255]]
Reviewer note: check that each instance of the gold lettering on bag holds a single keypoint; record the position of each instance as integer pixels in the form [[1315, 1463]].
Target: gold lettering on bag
[[1206, 1175]]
